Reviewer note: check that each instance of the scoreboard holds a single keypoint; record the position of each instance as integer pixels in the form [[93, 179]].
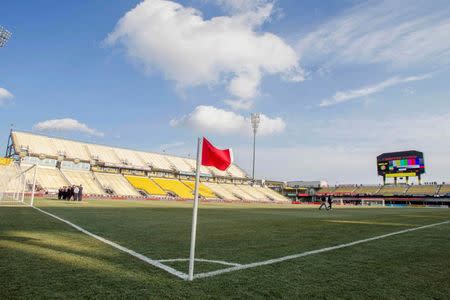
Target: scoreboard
[[401, 164]]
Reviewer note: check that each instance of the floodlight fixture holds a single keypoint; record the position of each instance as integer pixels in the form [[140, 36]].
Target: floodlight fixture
[[255, 119]]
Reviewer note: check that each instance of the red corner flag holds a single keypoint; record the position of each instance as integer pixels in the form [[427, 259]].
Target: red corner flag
[[213, 157]]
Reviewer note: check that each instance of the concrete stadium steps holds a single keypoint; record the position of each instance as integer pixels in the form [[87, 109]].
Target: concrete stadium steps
[[220, 191], [117, 183], [49, 179], [85, 178], [235, 171], [103, 153], [129, 157], [392, 190], [422, 190], [193, 164], [238, 192], [254, 192], [10, 181], [444, 190], [180, 164], [203, 190], [36, 144], [326, 190], [367, 190], [345, 189], [70, 149], [272, 194], [145, 184], [156, 161], [175, 186]]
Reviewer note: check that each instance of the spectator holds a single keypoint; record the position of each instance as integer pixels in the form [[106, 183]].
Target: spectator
[[80, 193], [76, 190], [60, 193], [70, 193]]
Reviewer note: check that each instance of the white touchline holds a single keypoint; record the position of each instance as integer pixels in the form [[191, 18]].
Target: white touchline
[[150, 261], [289, 257]]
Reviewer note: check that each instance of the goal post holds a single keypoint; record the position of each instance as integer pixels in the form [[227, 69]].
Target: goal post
[[17, 186]]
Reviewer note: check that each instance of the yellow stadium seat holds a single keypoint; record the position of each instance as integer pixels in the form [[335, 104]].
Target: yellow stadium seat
[[5, 161], [203, 190], [175, 186], [145, 184]]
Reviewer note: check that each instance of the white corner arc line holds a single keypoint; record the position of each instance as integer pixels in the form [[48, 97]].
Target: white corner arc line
[[144, 258], [219, 262], [290, 257]]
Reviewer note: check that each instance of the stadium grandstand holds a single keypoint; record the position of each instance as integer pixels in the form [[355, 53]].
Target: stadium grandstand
[[106, 171]]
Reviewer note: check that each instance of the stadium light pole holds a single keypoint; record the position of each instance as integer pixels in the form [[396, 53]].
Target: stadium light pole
[[4, 36], [256, 119]]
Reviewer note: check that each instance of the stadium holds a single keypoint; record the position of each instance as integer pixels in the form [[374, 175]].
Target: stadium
[[321, 169]]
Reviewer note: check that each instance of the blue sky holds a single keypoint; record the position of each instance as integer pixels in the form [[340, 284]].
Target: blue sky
[[338, 82]]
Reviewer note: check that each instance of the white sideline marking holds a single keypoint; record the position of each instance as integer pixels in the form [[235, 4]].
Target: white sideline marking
[[220, 262], [290, 257], [150, 261]]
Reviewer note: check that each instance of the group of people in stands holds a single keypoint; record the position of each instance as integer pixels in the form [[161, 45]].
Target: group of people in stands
[[69, 193]]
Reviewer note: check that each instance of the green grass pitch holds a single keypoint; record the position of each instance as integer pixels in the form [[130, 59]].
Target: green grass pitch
[[41, 257]]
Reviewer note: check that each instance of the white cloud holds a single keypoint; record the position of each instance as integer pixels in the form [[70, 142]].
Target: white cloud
[[341, 97], [399, 33], [194, 51], [5, 96], [66, 125], [239, 6], [212, 119]]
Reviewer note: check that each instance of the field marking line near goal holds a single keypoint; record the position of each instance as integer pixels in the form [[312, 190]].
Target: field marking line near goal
[[144, 258], [219, 262], [290, 257]]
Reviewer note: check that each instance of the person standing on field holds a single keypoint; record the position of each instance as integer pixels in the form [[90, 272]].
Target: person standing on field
[[330, 203], [80, 193], [76, 190], [324, 203]]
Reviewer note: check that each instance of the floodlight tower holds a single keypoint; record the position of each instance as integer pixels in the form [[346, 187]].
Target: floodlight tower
[[4, 36], [255, 118]]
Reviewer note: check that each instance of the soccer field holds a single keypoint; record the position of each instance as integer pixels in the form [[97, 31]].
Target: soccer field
[[257, 251]]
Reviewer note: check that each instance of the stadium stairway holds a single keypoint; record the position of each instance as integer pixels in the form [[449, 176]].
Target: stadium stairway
[[86, 178], [422, 190], [175, 186], [220, 191], [49, 179], [117, 183], [444, 190], [146, 185], [203, 190]]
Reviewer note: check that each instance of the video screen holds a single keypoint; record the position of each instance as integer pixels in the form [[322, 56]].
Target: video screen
[[401, 162]]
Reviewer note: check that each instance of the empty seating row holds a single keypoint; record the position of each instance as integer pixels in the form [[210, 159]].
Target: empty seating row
[[117, 184], [203, 190], [344, 189], [86, 179], [146, 185], [392, 190], [421, 190], [367, 190], [444, 190]]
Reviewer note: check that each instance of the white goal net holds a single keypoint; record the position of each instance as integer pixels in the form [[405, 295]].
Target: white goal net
[[17, 185]]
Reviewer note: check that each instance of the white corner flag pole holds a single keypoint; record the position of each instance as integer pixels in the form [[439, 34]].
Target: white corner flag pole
[[194, 213]]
